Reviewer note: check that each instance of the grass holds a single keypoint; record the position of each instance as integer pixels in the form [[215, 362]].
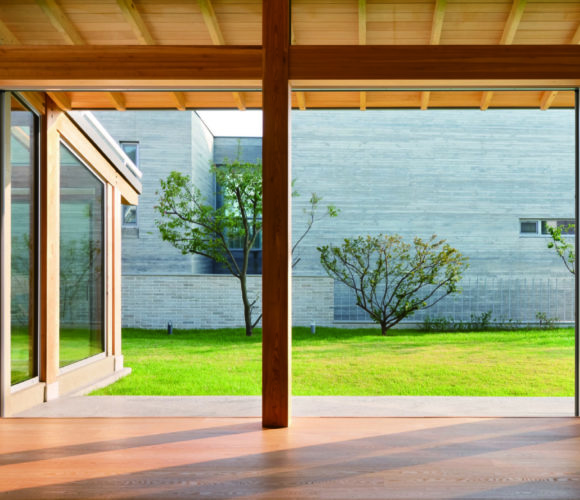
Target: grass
[[353, 362]]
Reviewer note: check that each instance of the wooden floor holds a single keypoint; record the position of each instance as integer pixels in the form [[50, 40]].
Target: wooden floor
[[338, 458]]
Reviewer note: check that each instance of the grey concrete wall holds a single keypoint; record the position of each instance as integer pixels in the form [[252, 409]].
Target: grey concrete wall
[[208, 301], [245, 149], [466, 175], [168, 140]]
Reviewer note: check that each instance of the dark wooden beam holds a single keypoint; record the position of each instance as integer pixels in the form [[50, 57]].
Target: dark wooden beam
[[277, 240], [125, 67], [468, 65]]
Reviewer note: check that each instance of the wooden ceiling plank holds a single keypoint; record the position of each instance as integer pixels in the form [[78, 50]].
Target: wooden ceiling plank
[[62, 100], [61, 22], [507, 38], [6, 36], [436, 29], [138, 26], [119, 100]]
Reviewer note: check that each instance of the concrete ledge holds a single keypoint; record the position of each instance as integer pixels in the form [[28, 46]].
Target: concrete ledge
[[304, 406]]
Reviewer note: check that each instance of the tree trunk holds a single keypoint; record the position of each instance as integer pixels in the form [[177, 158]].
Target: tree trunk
[[247, 306], [383, 330]]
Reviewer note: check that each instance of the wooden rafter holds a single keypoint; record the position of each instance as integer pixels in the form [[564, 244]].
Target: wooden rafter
[[436, 29], [507, 38], [62, 100], [179, 100], [118, 100], [142, 33], [362, 40], [6, 36], [61, 22], [549, 95], [217, 37], [138, 26]]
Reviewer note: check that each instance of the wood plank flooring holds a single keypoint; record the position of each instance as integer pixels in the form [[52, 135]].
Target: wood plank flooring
[[334, 458]]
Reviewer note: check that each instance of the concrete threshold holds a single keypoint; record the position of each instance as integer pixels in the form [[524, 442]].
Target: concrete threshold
[[303, 406]]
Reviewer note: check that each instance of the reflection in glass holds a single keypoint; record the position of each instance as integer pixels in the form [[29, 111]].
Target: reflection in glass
[[81, 260], [23, 145]]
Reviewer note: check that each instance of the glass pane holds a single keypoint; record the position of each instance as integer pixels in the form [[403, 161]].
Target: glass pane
[[23, 325], [81, 261], [567, 226], [529, 227], [129, 215], [131, 149]]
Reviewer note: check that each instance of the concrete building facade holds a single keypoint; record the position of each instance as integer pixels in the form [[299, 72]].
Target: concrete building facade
[[479, 180]]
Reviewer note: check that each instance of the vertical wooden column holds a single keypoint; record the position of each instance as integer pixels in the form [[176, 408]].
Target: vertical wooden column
[[117, 292], [50, 251], [277, 239], [109, 268], [5, 247]]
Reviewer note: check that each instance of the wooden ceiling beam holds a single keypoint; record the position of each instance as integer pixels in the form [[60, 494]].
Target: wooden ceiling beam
[[436, 29], [217, 37], [6, 36], [133, 67], [507, 38], [61, 22]]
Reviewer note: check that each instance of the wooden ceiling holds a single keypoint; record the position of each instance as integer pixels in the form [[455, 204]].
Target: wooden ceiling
[[314, 22]]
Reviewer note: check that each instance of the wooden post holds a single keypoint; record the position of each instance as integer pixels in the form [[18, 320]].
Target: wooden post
[[117, 224], [5, 247], [50, 251], [277, 240]]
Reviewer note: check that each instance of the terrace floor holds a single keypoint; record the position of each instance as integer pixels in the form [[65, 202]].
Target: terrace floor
[[338, 458]]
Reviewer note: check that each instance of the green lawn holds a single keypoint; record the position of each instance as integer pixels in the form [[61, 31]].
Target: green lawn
[[353, 362]]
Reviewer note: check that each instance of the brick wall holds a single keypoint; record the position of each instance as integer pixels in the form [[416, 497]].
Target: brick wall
[[210, 301]]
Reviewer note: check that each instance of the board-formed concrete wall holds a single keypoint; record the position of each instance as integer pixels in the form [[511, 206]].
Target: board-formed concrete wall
[[466, 175], [168, 141]]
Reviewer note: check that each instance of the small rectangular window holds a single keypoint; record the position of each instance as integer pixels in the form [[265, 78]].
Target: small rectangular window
[[529, 227], [541, 227], [131, 149], [129, 215]]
